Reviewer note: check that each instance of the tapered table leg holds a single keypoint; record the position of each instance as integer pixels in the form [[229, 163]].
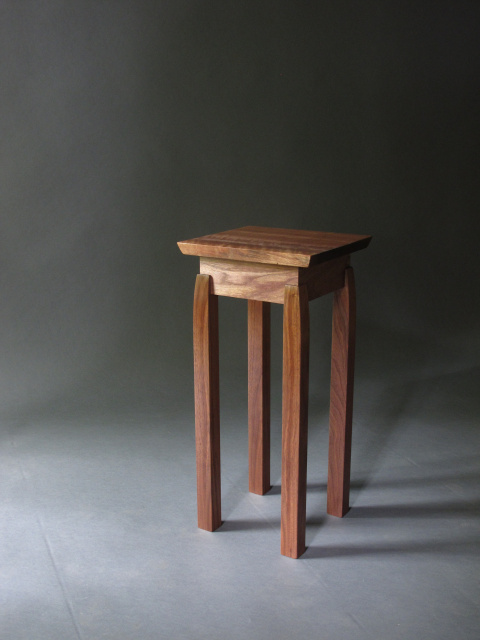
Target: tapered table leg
[[207, 405], [259, 396], [341, 397], [295, 420]]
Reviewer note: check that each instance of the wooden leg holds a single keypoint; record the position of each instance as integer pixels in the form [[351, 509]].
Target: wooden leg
[[295, 420], [207, 405], [341, 397], [259, 396]]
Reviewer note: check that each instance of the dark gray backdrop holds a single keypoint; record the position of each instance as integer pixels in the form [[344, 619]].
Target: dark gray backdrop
[[126, 126]]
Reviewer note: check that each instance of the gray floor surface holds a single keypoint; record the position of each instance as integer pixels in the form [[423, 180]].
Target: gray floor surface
[[99, 537]]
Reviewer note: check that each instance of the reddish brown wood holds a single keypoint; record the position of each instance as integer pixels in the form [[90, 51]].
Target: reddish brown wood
[[250, 280], [207, 405], [341, 397], [266, 282], [291, 267], [275, 246], [259, 396], [294, 420], [324, 278]]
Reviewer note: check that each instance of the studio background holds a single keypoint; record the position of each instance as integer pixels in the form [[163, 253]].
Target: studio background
[[126, 127]]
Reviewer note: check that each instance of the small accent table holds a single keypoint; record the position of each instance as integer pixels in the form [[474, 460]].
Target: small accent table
[[289, 267]]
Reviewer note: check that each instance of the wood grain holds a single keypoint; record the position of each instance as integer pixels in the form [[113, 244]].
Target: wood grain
[[266, 282], [290, 247], [252, 281], [259, 396], [207, 404], [290, 267], [341, 397], [294, 420], [324, 278]]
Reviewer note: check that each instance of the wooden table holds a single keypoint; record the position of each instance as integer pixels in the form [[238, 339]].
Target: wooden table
[[289, 267]]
